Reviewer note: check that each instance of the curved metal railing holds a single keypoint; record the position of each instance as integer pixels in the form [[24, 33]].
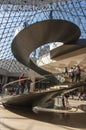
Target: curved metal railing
[[44, 84]]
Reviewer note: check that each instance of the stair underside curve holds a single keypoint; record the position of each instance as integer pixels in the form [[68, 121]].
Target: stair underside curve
[[37, 99], [39, 34]]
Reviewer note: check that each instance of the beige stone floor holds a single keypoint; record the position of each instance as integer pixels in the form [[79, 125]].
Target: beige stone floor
[[25, 119]]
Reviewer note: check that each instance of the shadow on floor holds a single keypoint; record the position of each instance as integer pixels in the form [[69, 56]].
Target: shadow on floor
[[74, 120]]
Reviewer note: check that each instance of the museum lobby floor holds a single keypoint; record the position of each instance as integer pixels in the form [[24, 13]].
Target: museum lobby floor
[[25, 119]]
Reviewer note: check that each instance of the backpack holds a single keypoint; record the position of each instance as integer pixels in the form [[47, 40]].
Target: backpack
[[71, 74], [77, 71]]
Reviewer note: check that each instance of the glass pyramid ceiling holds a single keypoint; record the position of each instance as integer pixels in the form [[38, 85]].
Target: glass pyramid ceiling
[[15, 15]]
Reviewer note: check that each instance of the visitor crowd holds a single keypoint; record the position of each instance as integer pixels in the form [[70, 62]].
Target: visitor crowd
[[74, 73]]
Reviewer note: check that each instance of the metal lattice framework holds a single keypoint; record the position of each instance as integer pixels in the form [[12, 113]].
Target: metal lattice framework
[[15, 15]]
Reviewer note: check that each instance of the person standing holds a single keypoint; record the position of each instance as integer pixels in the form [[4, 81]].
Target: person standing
[[65, 71], [28, 84], [63, 101], [77, 73], [0, 87], [71, 74], [21, 83], [66, 100]]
